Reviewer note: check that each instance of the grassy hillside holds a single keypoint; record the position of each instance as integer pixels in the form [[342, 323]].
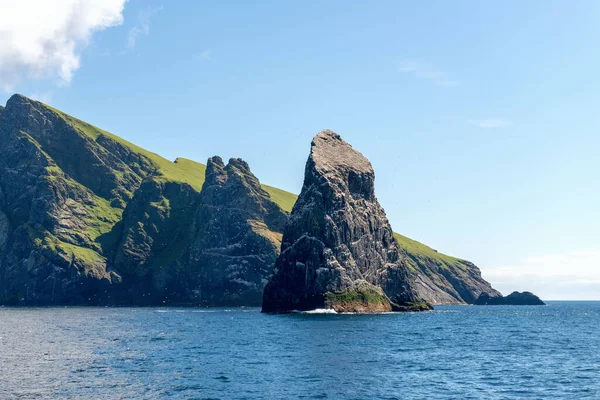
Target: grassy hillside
[[284, 199], [425, 254], [182, 170]]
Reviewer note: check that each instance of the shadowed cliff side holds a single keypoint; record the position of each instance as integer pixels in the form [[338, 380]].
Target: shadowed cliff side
[[236, 236]]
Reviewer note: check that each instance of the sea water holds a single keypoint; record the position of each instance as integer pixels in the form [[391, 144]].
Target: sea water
[[454, 352]]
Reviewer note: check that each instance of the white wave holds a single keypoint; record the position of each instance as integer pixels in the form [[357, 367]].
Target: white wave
[[319, 311]]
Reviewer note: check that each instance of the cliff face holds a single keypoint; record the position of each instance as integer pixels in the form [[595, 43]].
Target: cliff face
[[338, 248], [89, 218], [49, 222], [236, 235]]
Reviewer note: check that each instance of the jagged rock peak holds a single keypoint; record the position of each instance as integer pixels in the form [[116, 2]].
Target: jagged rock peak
[[344, 168], [236, 173], [332, 153], [239, 164], [215, 172], [17, 101], [338, 249]]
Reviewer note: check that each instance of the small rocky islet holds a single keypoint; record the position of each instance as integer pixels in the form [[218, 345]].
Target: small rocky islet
[[87, 218], [513, 299]]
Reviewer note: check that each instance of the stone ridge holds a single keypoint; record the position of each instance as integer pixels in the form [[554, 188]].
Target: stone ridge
[[338, 244]]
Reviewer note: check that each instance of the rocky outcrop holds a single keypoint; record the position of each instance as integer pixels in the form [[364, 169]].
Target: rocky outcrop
[[236, 236], [338, 248], [216, 247], [513, 299]]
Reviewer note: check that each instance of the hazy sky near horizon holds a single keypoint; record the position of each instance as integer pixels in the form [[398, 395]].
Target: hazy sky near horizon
[[480, 118]]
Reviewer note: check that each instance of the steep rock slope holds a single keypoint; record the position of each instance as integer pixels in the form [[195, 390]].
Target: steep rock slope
[[149, 240], [49, 222], [338, 248], [236, 235], [442, 279]]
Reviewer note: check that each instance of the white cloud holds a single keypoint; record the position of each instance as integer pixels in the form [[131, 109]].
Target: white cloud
[[491, 123], [423, 70], [44, 39], [44, 97], [572, 275], [205, 55], [142, 28]]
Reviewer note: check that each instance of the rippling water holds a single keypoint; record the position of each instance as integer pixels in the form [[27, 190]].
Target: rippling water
[[455, 352]]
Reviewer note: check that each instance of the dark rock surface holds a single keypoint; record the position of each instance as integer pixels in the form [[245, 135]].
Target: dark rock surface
[[216, 247], [338, 248], [48, 222], [513, 299], [235, 237], [87, 219]]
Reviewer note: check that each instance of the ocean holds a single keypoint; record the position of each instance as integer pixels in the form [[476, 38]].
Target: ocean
[[454, 352]]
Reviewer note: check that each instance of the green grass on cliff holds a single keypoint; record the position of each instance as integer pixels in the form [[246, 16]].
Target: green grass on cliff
[[425, 254], [355, 297], [182, 170], [285, 200]]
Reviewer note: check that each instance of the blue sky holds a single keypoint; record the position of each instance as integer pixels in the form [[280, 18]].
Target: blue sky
[[480, 118]]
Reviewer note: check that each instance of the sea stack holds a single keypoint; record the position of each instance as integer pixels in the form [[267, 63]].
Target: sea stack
[[338, 251]]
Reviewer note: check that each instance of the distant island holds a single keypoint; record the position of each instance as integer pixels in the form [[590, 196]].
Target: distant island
[[87, 218], [513, 299]]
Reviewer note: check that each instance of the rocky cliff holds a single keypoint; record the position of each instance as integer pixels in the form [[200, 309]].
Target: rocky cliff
[[89, 218], [338, 248], [236, 235]]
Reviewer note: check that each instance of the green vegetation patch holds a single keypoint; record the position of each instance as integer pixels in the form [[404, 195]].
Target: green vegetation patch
[[83, 255], [418, 252], [96, 212], [356, 297], [283, 199], [262, 229]]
